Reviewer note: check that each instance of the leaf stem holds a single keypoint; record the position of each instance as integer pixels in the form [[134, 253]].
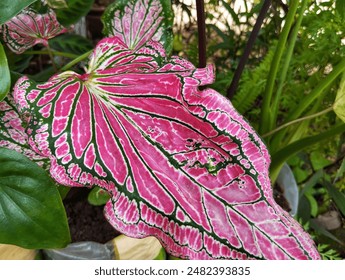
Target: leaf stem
[[75, 61], [50, 53], [56, 53], [244, 58], [297, 121], [201, 32]]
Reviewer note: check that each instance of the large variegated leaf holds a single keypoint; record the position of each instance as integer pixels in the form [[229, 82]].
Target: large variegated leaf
[[12, 132], [136, 22], [30, 28], [180, 164]]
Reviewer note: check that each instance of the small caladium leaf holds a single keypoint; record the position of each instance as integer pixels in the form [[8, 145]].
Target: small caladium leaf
[[136, 22], [13, 135], [30, 28], [179, 163]]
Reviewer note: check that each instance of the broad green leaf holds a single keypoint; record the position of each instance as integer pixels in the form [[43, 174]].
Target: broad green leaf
[[139, 21], [9, 8], [5, 77], [71, 43], [98, 196], [76, 9], [31, 211], [339, 104]]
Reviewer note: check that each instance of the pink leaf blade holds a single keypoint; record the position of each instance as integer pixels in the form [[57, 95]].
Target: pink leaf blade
[[177, 161], [30, 28]]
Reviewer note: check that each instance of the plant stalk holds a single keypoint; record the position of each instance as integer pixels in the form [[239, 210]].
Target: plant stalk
[[266, 112], [287, 60], [75, 61], [244, 58], [200, 11], [56, 53], [50, 53]]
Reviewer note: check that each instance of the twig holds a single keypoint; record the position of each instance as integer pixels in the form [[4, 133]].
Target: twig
[[244, 58], [201, 32]]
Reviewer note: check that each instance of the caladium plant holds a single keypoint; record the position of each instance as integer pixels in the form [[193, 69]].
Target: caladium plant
[[179, 163], [30, 28]]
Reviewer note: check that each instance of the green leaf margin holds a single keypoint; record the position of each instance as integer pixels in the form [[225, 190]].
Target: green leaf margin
[[31, 211], [10, 8], [5, 76]]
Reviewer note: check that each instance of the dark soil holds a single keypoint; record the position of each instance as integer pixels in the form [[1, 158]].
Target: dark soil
[[86, 222]]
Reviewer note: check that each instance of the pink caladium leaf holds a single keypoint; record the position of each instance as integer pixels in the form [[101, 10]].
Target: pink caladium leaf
[[30, 28], [179, 163], [136, 22], [13, 135]]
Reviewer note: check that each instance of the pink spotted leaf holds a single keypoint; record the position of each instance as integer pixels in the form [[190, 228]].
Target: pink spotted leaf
[[179, 163], [30, 28]]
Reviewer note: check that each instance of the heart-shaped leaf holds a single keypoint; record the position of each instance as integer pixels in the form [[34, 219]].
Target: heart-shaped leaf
[[136, 22], [31, 211], [180, 164], [30, 28]]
